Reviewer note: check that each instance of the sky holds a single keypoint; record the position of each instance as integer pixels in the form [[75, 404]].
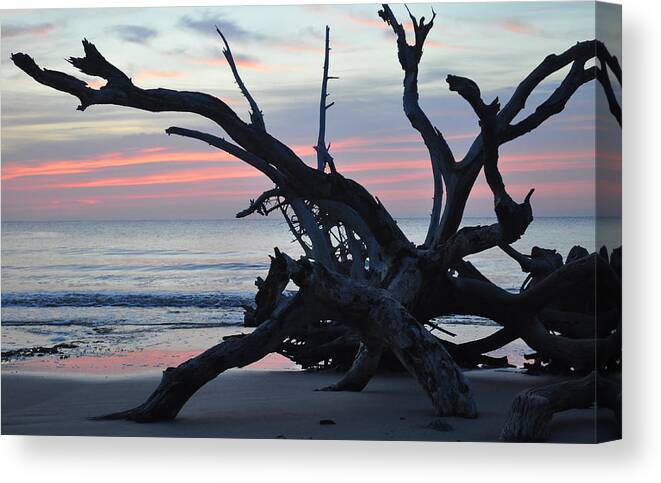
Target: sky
[[117, 163]]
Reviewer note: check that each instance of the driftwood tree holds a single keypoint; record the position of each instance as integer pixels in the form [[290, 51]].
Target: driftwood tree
[[364, 289]]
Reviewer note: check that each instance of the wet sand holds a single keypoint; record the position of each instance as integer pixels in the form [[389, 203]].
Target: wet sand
[[248, 403]]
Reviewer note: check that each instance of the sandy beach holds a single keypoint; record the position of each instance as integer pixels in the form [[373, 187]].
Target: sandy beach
[[247, 403]]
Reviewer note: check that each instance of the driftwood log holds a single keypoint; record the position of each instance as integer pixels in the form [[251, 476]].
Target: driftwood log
[[530, 417], [365, 292]]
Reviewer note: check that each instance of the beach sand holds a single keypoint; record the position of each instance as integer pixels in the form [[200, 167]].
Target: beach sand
[[245, 403]]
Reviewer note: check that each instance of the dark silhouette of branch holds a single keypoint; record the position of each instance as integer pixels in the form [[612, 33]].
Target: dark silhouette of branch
[[323, 156], [256, 115], [440, 154]]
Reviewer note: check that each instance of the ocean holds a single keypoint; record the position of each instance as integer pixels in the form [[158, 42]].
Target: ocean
[[154, 288]]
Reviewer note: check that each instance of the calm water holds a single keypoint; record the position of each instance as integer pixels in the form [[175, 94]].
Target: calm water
[[113, 286]]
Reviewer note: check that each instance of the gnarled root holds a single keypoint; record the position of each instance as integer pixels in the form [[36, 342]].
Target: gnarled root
[[361, 371], [532, 410]]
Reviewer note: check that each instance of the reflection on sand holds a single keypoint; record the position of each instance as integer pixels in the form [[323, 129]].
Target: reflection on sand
[[127, 363]]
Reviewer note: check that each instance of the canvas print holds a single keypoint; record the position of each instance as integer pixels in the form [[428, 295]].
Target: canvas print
[[356, 222]]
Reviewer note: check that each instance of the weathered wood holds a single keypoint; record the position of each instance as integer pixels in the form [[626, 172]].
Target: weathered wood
[[375, 312], [362, 370], [531, 413], [440, 155], [269, 292], [363, 283]]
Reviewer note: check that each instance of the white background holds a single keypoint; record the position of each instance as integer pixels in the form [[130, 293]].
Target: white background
[[636, 458]]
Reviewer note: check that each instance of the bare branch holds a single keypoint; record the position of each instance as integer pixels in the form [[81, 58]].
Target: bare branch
[[524, 261], [469, 167], [470, 240], [259, 205], [497, 304], [321, 249], [118, 91], [256, 116], [232, 149], [295, 230], [577, 55], [554, 104], [256, 146], [94, 64], [352, 220], [440, 155], [323, 156], [514, 218], [613, 104]]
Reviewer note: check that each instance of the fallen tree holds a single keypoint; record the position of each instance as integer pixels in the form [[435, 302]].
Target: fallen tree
[[366, 293]]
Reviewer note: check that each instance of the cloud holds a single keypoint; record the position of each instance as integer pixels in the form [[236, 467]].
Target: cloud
[[367, 21], [435, 44], [112, 160], [517, 27], [134, 33], [39, 30], [242, 61], [160, 74], [174, 177], [205, 25], [249, 62], [314, 33], [307, 39], [379, 144]]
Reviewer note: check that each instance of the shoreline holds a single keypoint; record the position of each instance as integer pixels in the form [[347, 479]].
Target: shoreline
[[154, 353], [259, 404]]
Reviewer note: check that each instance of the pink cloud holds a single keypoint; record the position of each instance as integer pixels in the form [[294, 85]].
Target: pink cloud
[[543, 190], [111, 160], [363, 144], [161, 74], [246, 63], [517, 27], [367, 21], [40, 30], [434, 44], [174, 177]]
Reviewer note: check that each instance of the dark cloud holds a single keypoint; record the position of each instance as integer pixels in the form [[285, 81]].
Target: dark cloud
[[134, 33], [41, 30], [314, 33], [206, 24]]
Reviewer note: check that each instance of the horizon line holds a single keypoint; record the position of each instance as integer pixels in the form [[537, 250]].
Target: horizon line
[[263, 218]]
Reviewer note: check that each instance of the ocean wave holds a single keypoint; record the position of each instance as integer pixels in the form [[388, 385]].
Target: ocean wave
[[143, 300], [120, 325], [184, 267]]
